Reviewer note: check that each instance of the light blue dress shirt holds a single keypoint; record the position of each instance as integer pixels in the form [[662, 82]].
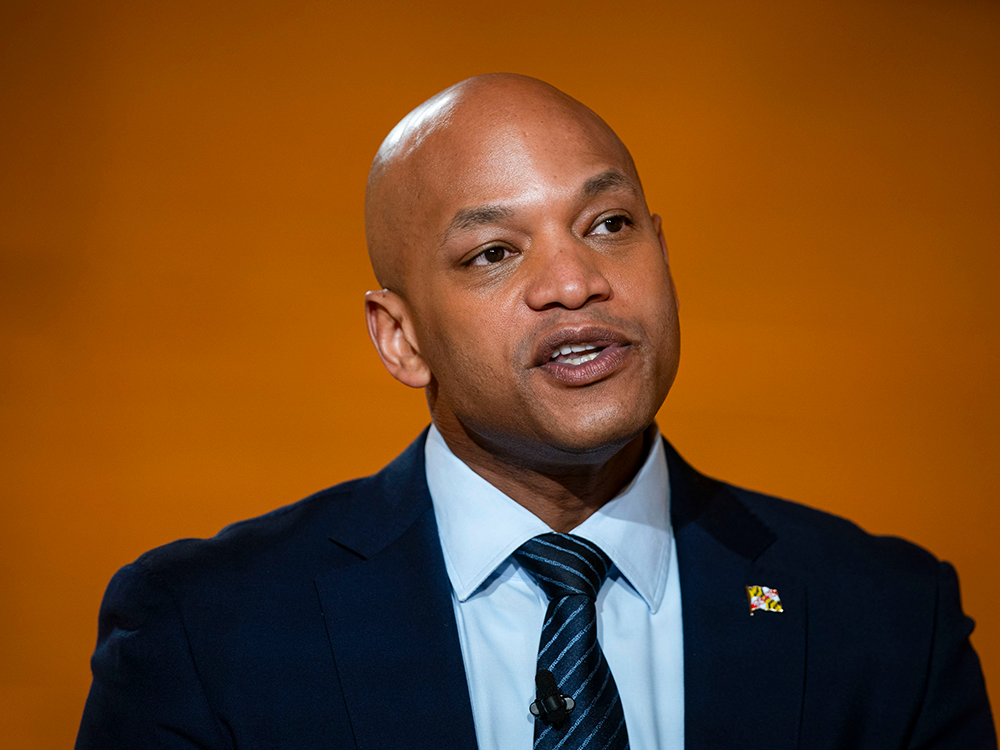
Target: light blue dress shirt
[[499, 608]]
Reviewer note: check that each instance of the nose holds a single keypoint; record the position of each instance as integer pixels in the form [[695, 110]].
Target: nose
[[566, 273]]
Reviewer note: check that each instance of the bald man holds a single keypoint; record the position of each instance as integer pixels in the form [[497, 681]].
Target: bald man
[[540, 568]]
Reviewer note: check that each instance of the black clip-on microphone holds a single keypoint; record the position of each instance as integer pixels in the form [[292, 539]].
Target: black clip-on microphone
[[551, 705]]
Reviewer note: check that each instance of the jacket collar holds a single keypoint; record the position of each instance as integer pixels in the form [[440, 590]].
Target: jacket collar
[[712, 505], [380, 508]]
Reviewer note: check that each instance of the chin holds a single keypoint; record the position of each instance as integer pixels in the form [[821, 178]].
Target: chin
[[601, 432]]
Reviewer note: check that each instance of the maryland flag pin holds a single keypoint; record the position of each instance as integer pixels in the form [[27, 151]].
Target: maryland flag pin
[[761, 597]]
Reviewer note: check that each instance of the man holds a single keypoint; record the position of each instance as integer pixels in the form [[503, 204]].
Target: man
[[444, 603]]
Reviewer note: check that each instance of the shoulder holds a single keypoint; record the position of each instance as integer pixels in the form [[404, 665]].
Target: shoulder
[[295, 536], [205, 628], [856, 583], [832, 549], [270, 555], [881, 611], [879, 598], [266, 566], [252, 566], [813, 540], [810, 544]]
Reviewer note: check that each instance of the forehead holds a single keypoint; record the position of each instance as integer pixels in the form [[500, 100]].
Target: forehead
[[512, 157]]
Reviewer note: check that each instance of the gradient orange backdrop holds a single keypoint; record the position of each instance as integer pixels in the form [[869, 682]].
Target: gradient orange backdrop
[[182, 265]]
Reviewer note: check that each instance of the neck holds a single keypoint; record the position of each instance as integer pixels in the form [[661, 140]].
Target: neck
[[562, 494]]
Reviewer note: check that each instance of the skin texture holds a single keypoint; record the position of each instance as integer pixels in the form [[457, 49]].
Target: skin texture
[[504, 218]]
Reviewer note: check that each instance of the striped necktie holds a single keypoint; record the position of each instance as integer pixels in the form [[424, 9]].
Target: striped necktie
[[570, 571]]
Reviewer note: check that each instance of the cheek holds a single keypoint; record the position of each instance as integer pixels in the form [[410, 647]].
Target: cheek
[[468, 350], [643, 284], [645, 294], [476, 324]]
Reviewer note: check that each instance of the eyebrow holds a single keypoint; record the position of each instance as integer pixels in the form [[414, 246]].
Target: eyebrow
[[609, 179], [470, 218], [475, 216]]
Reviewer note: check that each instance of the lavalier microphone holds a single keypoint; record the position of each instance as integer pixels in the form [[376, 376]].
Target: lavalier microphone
[[551, 706]]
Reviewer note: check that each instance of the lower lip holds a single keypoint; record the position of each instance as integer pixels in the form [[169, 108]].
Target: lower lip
[[600, 367]]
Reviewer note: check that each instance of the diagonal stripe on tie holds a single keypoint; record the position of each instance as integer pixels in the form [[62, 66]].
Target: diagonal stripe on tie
[[570, 571]]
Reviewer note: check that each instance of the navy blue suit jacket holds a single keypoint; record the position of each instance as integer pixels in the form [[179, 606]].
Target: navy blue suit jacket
[[329, 624]]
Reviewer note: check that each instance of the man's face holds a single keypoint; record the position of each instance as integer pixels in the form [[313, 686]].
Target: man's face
[[539, 288]]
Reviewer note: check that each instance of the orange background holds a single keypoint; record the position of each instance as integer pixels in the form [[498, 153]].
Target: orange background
[[182, 265]]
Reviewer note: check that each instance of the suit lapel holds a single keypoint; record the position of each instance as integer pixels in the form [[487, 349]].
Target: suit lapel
[[744, 675], [390, 618]]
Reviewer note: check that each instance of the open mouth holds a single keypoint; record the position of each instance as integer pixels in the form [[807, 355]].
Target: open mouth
[[576, 354]]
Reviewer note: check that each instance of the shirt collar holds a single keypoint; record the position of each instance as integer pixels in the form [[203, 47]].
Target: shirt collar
[[480, 526]]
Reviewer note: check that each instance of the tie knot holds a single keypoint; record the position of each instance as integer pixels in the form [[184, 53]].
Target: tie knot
[[564, 565]]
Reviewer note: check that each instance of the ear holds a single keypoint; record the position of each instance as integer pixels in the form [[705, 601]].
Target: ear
[[658, 226], [391, 331]]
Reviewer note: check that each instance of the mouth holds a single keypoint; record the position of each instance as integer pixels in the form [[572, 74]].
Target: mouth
[[576, 354], [583, 355]]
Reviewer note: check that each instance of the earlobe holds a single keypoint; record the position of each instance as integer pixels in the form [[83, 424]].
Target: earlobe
[[395, 341]]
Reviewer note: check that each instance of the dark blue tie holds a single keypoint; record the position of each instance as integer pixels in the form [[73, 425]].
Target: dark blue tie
[[571, 570]]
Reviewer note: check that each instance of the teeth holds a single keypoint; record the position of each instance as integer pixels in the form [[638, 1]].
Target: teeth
[[575, 349], [582, 358]]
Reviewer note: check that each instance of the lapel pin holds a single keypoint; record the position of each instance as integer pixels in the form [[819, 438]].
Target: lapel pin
[[762, 597]]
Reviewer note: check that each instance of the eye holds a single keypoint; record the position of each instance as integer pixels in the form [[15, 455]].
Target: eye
[[612, 225], [491, 255]]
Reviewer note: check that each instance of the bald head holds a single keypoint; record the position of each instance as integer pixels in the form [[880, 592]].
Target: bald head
[[441, 143]]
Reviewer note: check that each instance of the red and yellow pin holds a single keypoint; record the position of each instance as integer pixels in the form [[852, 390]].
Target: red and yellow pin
[[762, 597]]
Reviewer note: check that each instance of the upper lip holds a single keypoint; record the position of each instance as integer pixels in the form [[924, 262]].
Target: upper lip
[[597, 336]]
